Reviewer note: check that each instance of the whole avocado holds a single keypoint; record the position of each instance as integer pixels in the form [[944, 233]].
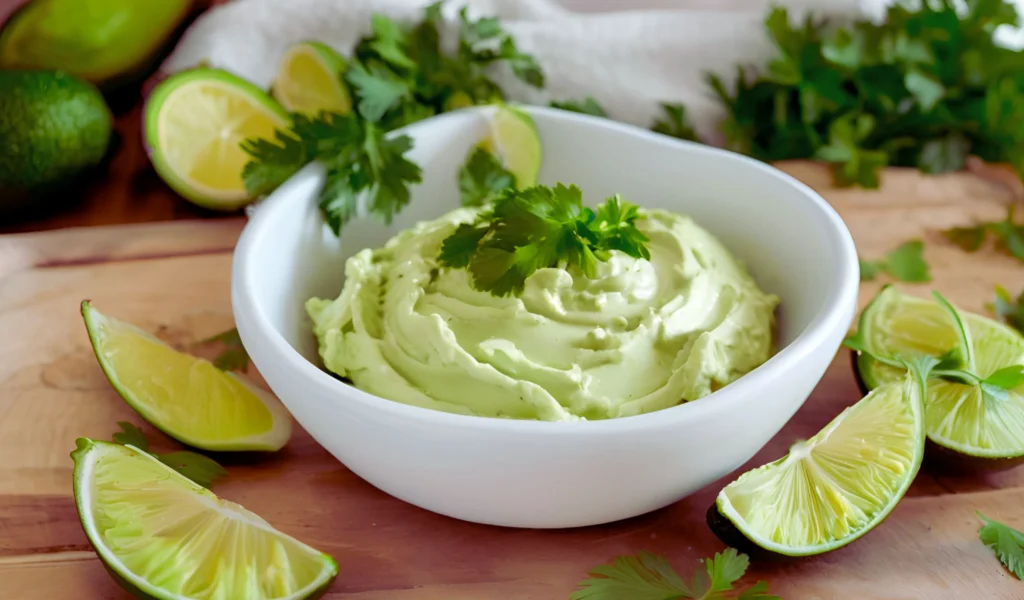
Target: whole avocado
[[53, 129]]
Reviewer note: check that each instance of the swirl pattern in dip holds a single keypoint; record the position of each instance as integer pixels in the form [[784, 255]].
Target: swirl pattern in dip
[[641, 336]]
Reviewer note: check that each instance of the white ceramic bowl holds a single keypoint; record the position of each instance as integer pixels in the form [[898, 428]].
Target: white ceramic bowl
[[543, 474]]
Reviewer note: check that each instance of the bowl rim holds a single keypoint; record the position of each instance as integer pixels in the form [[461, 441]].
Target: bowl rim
[[837, 310]]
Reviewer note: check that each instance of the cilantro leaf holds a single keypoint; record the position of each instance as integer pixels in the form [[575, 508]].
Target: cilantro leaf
[[541, 227], [379, 90], [969, 239], [674, 123], [587, 106], [272, 161], [233, 357], [1008, 235], [524, 65], [1007, 378], [1006, 542], [1008, 310], [905, 263], [482, 177], [647, 576], [390, 42], [130, 435], [200, 469]]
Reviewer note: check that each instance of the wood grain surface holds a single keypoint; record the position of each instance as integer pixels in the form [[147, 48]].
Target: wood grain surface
[[168, 279]]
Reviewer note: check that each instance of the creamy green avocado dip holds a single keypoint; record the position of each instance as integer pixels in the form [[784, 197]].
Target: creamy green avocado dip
[[641, 336]]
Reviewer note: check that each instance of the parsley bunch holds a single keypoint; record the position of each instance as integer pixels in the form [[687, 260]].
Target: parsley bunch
[[537, 228], [399, 75], [924, 89]]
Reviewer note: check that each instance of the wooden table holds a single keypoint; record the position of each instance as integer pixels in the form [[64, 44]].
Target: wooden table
[[172, 278]]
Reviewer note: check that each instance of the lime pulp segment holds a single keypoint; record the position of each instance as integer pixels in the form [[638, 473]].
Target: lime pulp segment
[[835, 487], [185, 396], [514, 137], [960, 417], [166, 537]]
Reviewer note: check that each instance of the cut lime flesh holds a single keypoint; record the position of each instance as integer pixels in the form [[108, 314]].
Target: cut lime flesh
[[309, 80], [165, 537], [838, 485], [184, 396], [195, 122], [959, 417], [514, 138]]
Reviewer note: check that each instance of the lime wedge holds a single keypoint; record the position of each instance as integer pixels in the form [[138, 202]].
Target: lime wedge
[[514, 138], [194, 122], [163, 536], [958, 416], [309, 80], [835, 487], [184, 396]]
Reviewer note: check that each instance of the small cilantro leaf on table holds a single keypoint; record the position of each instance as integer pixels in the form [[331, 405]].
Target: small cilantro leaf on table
[[587, 106], [905, 263], [1006, 542], [233, 357], [647, 576], [200, 469], [1009, 310], [1008, 235], [483, 177], [537, 228]]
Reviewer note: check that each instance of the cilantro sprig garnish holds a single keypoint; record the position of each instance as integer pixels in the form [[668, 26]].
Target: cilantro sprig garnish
[[924, 88], [541, 227], [200, 469], [647, 575], [1006, 542], [904, 263], [483, 177], [398, 75]]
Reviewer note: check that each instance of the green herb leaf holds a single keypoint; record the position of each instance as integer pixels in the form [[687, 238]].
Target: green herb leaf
[[969, 239], [1006, 542], [130, 435], [1008, 235], [390, 42], [483, 177], [647, 576], [675, 123], [233, 357], [200, 469], [905, 263], [379, 90], [965, 347], [541, 227], [1007, 378], [587, 106], [1008, 310]]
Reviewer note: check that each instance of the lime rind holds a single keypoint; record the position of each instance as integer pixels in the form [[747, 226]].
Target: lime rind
[[198, 193], [86, 456], [958, 416], [515, 139], [332, 66], [271, 440], [837, 486]]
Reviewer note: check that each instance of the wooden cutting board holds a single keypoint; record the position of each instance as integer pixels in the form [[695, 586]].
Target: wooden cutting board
[[173, 279]]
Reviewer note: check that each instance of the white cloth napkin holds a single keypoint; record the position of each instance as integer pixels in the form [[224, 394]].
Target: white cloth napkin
[[629, 60]]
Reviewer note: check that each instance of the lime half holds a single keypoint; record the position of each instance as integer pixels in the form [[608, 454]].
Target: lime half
[[958, 416], [514, 138], [194, 122], [834, 487], [309, 80], [184, 396], [163, 536]]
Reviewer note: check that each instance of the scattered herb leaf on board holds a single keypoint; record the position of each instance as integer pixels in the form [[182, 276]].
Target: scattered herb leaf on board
[[200, 469], [233, 357], [905, 263], [1006, 542]]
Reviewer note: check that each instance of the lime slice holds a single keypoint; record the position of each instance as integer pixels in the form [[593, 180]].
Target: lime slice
[[184, 396], [309, 80], [194, 122], [959, 417], [163, 536], [514, 138], [835, 487]]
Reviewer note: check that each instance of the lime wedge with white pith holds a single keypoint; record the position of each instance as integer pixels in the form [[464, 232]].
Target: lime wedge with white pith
[[184, 396], [162, 536], [310, 80], [834, 487], [514, 138], [959, 417], [194, 122]]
